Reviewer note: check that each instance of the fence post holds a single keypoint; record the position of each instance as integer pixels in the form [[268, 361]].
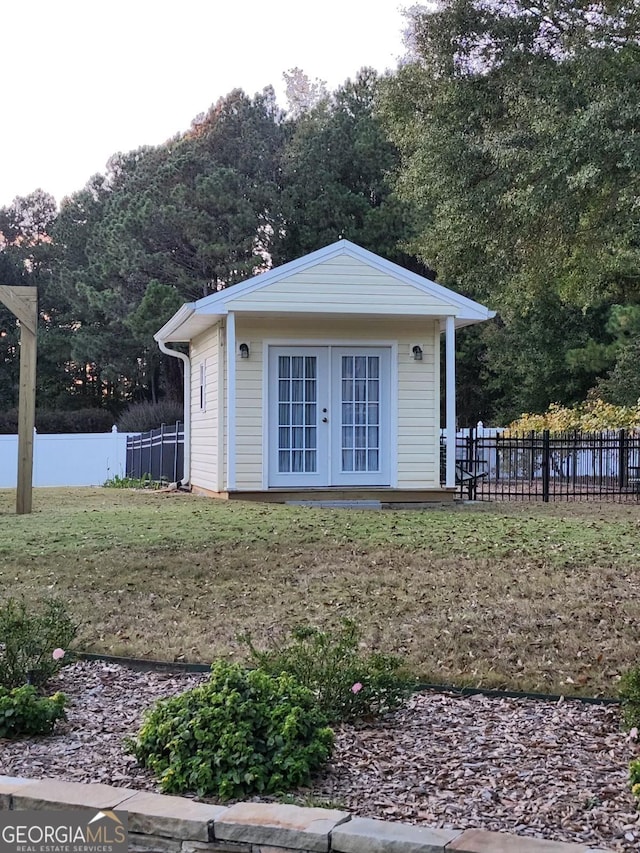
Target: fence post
[[161, 476], [622, 459], [466, 466], [532, 467], [545, 465], [175, 453]]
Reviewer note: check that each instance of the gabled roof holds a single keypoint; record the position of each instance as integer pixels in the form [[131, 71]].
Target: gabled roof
[[291, 293]]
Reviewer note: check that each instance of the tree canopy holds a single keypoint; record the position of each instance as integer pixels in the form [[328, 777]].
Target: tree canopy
[[517, 125], [501, 157]]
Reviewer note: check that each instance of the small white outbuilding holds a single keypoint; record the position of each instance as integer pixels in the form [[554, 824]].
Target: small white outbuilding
[[320, 380]]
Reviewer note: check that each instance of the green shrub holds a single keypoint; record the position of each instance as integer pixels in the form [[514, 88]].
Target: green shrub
[[142, 417], [629, 692], [242, 732], [347, 684], [24, 713], [144, 482], [634, 777], [61, 421], [31, 640]]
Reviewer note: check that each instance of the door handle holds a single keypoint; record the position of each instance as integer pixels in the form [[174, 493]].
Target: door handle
[[325, 420]]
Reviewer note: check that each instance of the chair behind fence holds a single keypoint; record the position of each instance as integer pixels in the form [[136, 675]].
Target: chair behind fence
[[548, 466], [158, 454]]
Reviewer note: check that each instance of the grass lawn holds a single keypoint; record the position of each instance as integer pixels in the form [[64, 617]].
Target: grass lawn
[[542, 597]]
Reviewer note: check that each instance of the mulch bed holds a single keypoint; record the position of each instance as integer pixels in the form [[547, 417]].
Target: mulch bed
[[551, 770]]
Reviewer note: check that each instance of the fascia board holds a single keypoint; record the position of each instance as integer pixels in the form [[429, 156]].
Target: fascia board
[[182, 314]]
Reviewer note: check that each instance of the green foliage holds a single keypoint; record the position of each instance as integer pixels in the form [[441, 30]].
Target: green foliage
[[629, 693], [29, 635], [348, 685], [142, 417], [622, 385], [166, 225], [634, 777], [594, 415], [24, 713], [513, 129], [336, 178], [241, 733], [60, 421], [118, 482]]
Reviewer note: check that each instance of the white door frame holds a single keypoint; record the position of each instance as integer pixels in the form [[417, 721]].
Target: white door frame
[[340, 343], [382, 477], [320, 402]]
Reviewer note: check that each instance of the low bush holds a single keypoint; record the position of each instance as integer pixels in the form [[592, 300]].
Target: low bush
[[593, 415], [61, 422], [634, 778], [23, 712], [118, 482], [34, 642], [348, 684], [241, 733], [142, 417], [629, 692]]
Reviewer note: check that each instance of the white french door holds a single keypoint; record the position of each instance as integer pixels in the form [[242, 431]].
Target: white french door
[[297, 420], [329, 416]]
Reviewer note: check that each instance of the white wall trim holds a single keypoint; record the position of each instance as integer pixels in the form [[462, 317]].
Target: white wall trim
[[220, 379], [266, 392], [231, 401], [450, 402], [437, 368], [394, 389], [327, 342]]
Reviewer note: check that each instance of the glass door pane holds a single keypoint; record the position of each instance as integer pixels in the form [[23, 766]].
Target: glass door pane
[[297, 414], [360, 410]]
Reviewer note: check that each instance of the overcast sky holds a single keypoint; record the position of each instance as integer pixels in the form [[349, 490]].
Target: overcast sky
[[84, 79]]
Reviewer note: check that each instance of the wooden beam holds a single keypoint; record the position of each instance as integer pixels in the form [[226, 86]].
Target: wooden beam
[[23, 302]]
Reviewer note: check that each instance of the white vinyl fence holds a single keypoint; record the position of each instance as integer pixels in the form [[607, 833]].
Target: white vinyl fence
[[74, 459]]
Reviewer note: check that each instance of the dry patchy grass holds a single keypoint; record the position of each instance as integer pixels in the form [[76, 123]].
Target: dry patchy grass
[[541, 597]]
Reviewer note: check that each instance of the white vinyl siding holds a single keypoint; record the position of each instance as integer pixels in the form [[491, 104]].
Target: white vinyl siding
[[204, 414], [418, 417], [419, 410], [249, 409], [345, 285]]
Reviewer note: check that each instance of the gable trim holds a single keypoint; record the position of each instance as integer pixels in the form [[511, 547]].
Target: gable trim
[[218, 301]]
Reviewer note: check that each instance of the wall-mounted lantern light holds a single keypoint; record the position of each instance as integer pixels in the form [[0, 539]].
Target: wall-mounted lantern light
[[417, 352], [244, 350]]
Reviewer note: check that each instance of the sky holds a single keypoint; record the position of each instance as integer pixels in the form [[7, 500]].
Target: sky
[[84, 79]]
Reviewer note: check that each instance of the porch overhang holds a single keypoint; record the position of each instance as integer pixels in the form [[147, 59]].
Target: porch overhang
[[187, 324]]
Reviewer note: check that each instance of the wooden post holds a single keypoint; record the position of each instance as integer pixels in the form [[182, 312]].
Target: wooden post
[[23, 302]]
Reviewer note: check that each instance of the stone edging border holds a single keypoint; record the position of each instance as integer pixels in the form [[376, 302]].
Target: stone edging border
[[164, 824]]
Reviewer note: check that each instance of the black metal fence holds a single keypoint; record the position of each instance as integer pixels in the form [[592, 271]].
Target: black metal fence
[[158, 454], [548, 466]]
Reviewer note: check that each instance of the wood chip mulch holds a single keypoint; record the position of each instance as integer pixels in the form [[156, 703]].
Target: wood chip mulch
[[551, 770]]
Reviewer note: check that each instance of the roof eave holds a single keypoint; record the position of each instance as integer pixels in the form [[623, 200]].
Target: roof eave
[[171, 327], [469, 319]]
